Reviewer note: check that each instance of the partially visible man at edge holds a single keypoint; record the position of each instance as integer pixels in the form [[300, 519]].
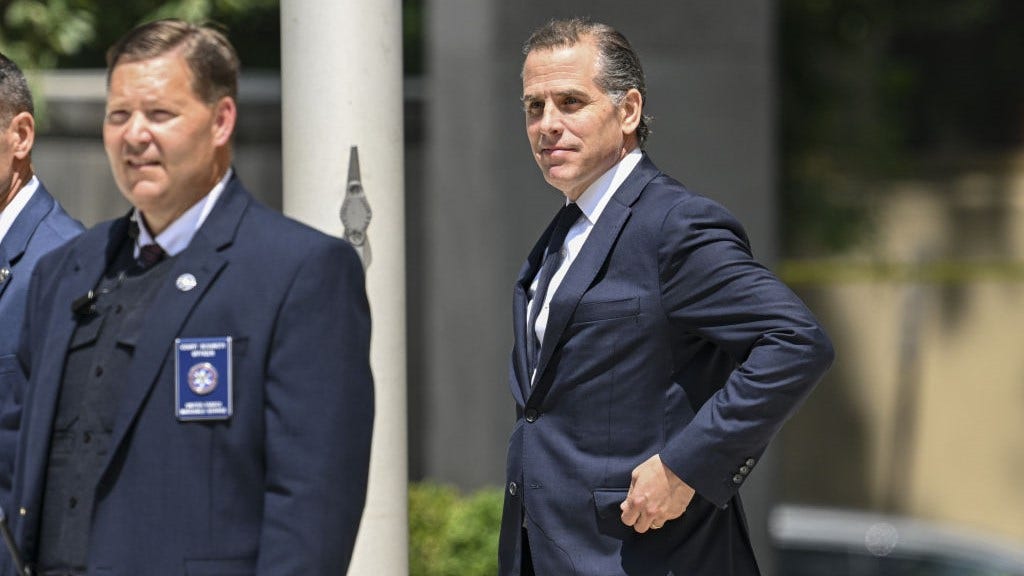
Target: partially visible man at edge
[[201, 399], [32, 223], [654, 359]]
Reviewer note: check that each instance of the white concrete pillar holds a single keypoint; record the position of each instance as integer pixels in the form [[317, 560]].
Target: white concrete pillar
[[341, 77]]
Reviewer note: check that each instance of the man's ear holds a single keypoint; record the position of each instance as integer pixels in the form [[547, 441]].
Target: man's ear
[[22, 130], [225, 114], [631, 110]]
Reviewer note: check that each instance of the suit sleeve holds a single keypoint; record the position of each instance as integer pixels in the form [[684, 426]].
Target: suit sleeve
[[319, 418], [712, 287]]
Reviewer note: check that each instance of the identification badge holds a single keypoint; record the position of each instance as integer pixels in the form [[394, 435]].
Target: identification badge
[[202, 373]]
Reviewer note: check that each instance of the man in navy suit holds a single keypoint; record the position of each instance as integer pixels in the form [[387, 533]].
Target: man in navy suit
[[201, 399], [654, 359], [31, 224]]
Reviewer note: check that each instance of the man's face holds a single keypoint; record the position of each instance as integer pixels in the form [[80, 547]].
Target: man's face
[[161, 137], [577, 133]]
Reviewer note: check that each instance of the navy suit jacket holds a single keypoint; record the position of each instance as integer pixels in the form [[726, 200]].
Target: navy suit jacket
[[665, 337], [277, 489], [40, 227]]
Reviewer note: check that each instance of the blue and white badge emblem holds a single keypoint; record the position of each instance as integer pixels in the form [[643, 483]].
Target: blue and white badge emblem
[[202, 378], [202, 375]]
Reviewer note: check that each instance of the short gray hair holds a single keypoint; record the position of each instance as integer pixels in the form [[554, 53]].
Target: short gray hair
[[15, 96]]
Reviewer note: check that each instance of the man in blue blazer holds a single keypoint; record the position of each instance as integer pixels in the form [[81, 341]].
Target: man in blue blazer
[[31, 224], [654, 359], [200, 396]]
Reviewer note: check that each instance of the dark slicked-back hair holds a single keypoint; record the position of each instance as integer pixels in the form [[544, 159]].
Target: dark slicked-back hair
[[619, 68], [15, 97], [211, 57]]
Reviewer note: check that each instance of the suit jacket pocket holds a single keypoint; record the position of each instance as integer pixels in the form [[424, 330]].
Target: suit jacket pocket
[[609, 515], [223, 567], [606, 310]]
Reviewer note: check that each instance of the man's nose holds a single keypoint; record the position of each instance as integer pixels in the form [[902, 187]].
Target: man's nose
[[551, 120], [136, 131]]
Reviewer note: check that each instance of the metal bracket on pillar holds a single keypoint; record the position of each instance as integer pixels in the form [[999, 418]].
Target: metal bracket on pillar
[[355, 210]]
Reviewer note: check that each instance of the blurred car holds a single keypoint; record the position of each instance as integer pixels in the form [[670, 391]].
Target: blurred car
[[810, 541]]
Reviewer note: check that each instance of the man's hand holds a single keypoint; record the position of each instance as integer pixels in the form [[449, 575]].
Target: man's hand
[[656, 495]]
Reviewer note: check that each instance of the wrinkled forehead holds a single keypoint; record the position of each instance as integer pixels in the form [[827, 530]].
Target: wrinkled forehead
[[560, 69]]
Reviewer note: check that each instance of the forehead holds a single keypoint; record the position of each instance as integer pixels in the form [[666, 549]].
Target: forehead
[[164, 76], [560, 68]]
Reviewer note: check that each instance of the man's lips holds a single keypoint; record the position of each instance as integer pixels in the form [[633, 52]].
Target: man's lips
[[556, 151], [138, 164]]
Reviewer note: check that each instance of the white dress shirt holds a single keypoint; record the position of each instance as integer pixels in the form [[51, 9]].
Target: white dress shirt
[[591, 203], [177, 236], [10, 213]]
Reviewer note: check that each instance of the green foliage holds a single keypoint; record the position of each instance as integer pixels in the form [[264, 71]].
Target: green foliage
[[41, 34], [35, 33], [76, 33], [872, 89], [452, 535]]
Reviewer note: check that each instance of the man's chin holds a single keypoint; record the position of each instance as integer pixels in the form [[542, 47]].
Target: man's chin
[[140, 194], [559, 178]]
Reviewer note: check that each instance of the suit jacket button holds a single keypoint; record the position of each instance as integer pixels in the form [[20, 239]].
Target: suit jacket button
[[531, 415], [513, 488], [737, 479], [744, 470], [750, 462]]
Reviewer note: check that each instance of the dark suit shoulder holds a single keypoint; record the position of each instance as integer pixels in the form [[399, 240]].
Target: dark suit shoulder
[[61, 252], [275, 233], [669, 205], [61, 225]]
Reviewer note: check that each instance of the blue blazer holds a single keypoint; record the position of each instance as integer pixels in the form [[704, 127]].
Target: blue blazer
[[40, 227], [278, 488], [665, 337]]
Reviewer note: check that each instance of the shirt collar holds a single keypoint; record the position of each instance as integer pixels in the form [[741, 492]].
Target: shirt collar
[[10, 212], [177, 236], [596, 196]]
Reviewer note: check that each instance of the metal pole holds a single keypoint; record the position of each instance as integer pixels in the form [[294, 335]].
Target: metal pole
[[341, 78]]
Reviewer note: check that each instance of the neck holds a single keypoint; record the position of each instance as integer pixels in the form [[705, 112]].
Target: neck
[[21, 174]]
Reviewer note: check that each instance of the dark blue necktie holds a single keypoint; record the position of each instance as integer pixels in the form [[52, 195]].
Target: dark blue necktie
[[149, 255], [567, 216]]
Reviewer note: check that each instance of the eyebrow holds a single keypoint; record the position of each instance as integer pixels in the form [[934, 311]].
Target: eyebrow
[[561, 93]]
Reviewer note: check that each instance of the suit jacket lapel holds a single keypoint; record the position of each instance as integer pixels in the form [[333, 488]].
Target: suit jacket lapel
[[203, 260], [83, 269], [589, 261], [520, 366], [15, 242]]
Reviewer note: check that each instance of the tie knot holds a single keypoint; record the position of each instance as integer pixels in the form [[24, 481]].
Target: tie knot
[[150, 254], [568, 215]]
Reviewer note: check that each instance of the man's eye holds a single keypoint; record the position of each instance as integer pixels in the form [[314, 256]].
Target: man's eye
[[534, 107], [117, 117], [160, 115]]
